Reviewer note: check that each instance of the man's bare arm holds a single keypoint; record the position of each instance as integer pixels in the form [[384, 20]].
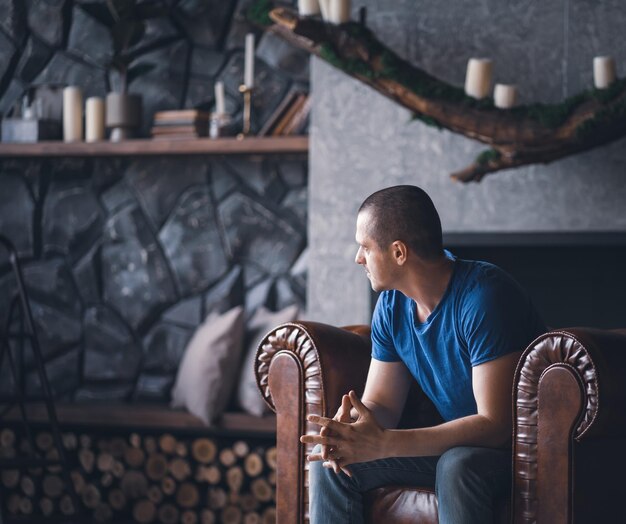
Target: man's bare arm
[[367, 440], [385, 393]]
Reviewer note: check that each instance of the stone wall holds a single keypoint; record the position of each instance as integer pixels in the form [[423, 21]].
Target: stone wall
[[125, 257], [362, 141]]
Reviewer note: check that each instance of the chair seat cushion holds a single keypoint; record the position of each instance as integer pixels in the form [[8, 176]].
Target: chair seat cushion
[[401, 505], [413, 505]]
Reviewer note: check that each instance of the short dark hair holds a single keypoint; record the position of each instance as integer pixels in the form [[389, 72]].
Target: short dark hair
[[404, 213]]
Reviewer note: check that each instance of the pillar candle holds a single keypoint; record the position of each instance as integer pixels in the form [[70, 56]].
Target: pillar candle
[[220, 106], [72, 114], [339, 11], [324, 8], [248, 76], [308, 7], [94, 119], [504, 95], [603, 71], [478, 77]]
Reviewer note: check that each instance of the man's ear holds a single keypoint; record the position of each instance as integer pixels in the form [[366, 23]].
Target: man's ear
[[400, 252]]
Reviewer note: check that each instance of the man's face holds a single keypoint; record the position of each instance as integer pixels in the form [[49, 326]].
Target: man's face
[[378, 263]]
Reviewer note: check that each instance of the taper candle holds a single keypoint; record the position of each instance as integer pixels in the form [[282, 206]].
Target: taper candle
[[324, 8], [504, 95], [220, 106], [308, 7], [72, 114], [248, 76], [603, 71], [478, 77], [339, 11], [94, 119]]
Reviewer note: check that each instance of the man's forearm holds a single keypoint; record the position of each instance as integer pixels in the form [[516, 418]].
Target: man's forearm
[[473, 430], [385, 417]]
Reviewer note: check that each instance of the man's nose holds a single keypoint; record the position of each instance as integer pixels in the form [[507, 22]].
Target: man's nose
[[359, 257]]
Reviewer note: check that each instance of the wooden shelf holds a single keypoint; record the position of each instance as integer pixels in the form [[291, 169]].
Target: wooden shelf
[[146, 417], [148, 147]]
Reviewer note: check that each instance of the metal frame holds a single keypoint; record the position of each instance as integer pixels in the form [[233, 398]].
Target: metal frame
[[27, 332]]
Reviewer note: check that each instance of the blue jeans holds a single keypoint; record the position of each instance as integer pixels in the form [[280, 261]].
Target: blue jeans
[[467, 480]]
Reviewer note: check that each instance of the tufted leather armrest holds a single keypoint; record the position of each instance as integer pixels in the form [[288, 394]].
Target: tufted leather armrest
[[304, 368], [569, 428]]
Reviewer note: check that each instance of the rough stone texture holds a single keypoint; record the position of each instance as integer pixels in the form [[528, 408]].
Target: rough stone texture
[[191, 241], [86, 272], [34, 58], [223, 180], [54, 305], [255, 233], [164, 347], [13, 17], [46, 20], [239, 26], [279, 54], [55, 329], [362, 141], [110, 349], [206, 62], [186, 313], [63, 373], [204, 22], [158, 184], [72, 218], [7, 51], [294, 173], [296, 201], [66, 70], [136, 279], [117, 197], [16, 212], [126, 256], [50, 282], [11, 96], [89, 39], [153, 387], [226, 294]]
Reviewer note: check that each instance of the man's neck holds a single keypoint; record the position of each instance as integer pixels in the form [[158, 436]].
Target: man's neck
[[427, 282]]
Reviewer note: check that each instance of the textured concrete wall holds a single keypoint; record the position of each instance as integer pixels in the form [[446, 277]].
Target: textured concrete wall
[[362, 141]]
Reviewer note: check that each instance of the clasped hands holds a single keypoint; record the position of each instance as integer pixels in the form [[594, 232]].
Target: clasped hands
[[352, 435]]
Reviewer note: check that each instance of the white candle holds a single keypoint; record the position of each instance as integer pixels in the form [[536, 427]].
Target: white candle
[[504, 95], [603, 71], [478, 77], [220, 106], [339, 11], [94, 119], [308, 7], [324, 8], [72, 114], [248, 75]]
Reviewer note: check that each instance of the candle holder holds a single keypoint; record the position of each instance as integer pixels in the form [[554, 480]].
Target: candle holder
[[247, 110]]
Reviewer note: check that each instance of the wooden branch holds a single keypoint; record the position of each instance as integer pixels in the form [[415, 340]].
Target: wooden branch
[[538, 133]]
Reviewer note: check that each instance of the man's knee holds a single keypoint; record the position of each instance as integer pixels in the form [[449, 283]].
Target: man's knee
[[457, 465]]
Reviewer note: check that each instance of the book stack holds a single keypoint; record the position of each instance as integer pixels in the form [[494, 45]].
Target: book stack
[[290, 117], [180, 123]]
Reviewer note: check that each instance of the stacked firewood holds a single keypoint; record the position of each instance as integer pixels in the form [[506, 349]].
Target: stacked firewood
[[145, 478]]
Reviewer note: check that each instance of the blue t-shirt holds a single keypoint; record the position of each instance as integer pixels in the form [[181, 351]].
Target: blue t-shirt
[[483, 315]]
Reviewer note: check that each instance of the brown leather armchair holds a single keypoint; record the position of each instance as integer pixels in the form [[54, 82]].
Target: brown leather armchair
[[569, 436]]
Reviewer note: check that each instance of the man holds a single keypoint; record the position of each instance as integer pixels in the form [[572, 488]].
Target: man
[[458, 327]]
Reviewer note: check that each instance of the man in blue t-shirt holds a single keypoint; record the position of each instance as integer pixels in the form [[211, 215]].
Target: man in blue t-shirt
[[456, 326]]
